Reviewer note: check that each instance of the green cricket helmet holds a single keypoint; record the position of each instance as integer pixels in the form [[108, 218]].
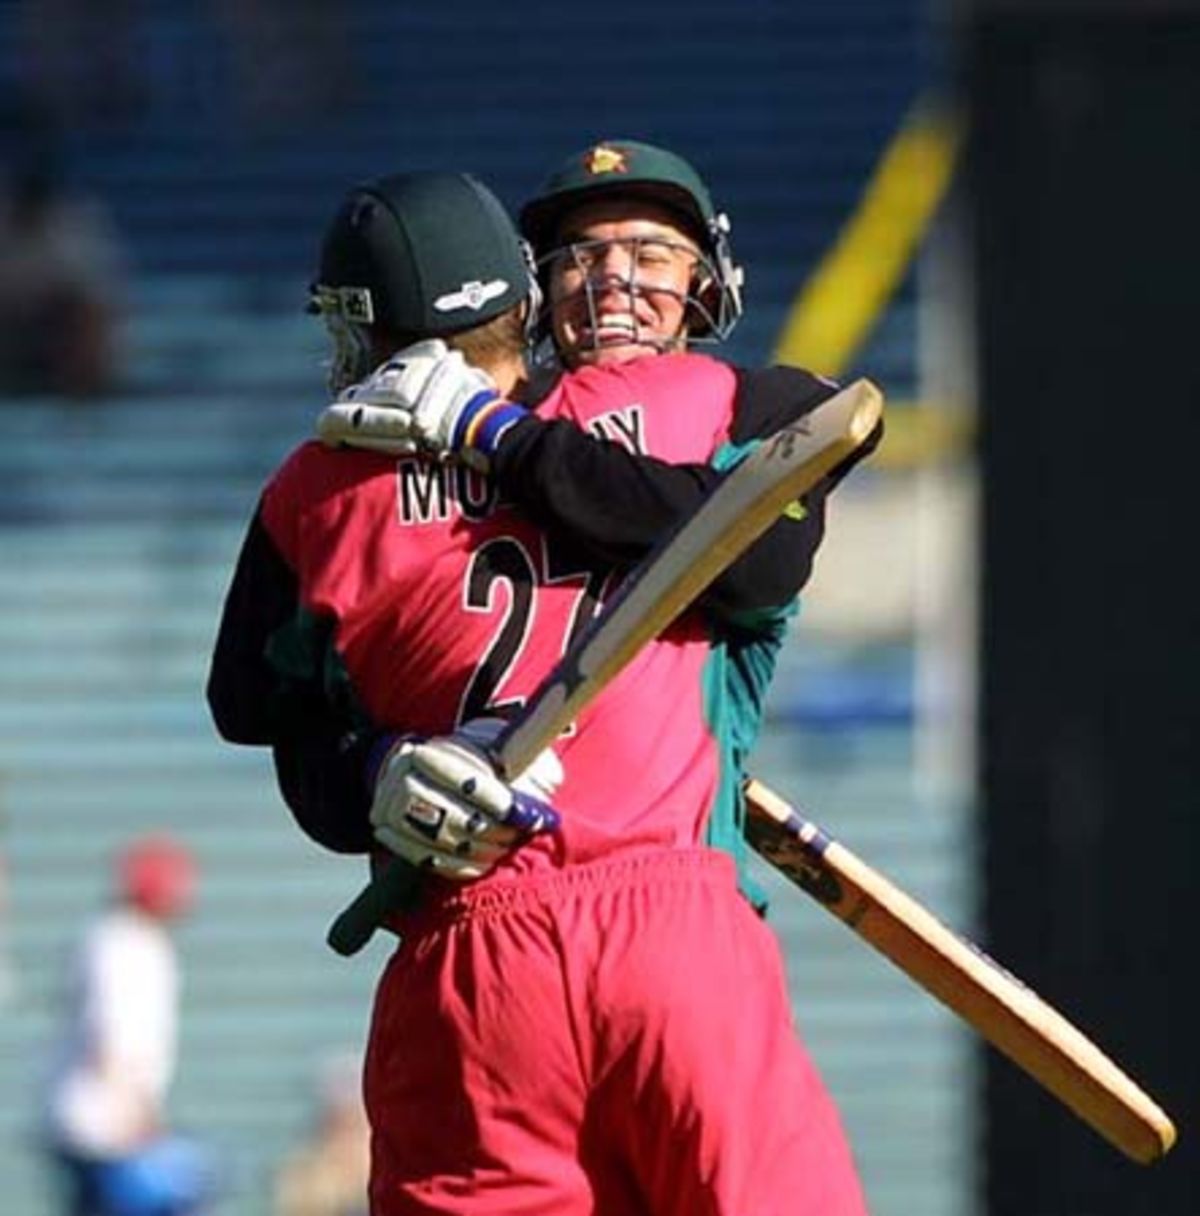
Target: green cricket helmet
[[629, 169], [422, 255]]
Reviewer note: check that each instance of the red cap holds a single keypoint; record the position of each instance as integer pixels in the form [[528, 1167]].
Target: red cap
[[158, 875]]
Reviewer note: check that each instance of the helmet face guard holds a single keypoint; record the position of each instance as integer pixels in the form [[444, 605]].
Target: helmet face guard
[[626, 169], [648, 269], [724, 289], [341, 309]]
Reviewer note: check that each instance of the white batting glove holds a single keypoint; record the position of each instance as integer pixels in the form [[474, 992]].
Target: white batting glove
[[426, 397], [376, 428], [373, 414], [439, 803]]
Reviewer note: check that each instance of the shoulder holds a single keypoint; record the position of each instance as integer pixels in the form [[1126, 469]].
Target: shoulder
[[119, 933], [318, 489], [313, 473], [649, 372], [781, 378], [684, 370], [313, 465], [771, 397], [654, 381]]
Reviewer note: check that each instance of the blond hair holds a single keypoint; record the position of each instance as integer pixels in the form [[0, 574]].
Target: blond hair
[[496, 341]]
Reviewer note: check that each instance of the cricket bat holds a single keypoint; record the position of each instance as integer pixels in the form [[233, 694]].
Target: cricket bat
[[740, 509], [1010, 1016]]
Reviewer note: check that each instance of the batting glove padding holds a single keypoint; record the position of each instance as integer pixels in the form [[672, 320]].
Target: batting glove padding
[[426, 397], [439, 803], [374, 427]]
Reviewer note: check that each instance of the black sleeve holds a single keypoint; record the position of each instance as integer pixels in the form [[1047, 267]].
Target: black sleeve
[[321, 778], [242, 684], [613, 503], [616, 505], [320, 753]]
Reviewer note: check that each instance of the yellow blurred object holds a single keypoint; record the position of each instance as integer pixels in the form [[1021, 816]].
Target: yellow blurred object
[[843, 298]]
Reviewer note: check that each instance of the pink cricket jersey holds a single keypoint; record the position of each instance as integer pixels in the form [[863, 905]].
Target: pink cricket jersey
[[447, 602]]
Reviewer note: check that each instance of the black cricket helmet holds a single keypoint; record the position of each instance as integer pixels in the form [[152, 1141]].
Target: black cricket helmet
[[422, 255], [629, 169]]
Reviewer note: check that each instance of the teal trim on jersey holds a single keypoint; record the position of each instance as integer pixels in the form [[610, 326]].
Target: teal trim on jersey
[[729, 454], [737, 676], [728, 809]]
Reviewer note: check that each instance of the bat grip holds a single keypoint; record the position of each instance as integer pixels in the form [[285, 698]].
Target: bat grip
[[396, 885], [356, 923]]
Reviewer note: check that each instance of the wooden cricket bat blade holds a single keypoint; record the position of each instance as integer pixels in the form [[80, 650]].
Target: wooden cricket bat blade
[[1009, 1015]]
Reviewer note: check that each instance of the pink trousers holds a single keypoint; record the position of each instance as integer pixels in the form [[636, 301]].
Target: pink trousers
[[610, 1040]]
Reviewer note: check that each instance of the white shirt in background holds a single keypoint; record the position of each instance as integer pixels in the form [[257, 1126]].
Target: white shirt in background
[[118, 1055]]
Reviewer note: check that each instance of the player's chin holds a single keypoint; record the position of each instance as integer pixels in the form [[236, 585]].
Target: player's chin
[[612, 347], [598, 356]]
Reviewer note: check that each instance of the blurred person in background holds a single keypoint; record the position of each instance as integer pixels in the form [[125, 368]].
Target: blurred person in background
[[327, 1174], [106, 1124], [62, 270], [362, 607]]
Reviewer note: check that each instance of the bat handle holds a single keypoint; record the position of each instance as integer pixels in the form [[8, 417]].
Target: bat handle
[[356, 923]]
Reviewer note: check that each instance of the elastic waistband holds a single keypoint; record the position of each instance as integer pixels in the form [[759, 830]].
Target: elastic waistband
[[497, 896]]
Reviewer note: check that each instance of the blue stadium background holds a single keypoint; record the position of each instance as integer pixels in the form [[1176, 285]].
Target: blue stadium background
[[220, 153]]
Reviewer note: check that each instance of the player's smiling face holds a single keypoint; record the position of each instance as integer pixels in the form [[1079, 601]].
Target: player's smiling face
[[619, 282]]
